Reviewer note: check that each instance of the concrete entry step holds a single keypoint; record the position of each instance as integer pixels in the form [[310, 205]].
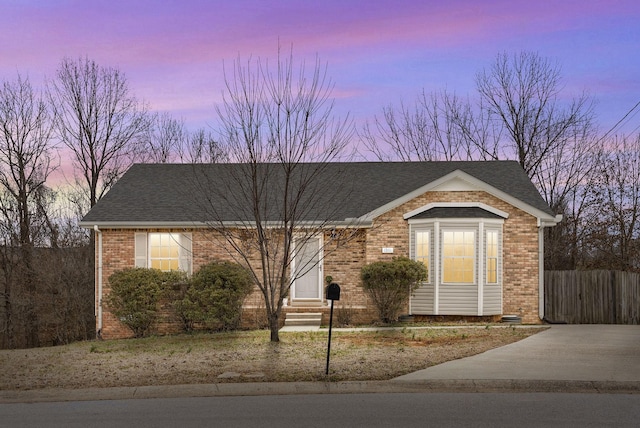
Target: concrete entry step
[[303, 319]]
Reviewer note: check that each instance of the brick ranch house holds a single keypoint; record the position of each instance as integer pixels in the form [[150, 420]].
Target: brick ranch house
[[477, 226]]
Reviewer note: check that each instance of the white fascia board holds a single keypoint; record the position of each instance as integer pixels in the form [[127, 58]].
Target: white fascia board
[[456, 205], [456, 220], [141, 225], [349, 223]]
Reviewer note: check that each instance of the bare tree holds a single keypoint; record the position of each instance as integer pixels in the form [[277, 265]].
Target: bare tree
[[203, 148], [166, 140], [480, 135], [25, 148], [25, 164], [98, 120], [66, 216], [522, 93], [518, 114], [564, 179], [277, 125], [615, 232], [429, 130]]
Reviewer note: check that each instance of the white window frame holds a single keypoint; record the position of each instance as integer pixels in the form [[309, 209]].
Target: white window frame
[[474, 257], [425, 260], [143, 249], [488, 257]]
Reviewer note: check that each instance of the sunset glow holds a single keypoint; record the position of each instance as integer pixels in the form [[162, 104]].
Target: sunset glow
[[378, 52]]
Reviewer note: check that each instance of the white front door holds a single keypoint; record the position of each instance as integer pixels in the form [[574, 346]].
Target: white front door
[[307, 268]]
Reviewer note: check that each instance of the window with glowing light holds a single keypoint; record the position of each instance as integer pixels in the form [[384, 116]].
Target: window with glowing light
[[165, 251], [492, 257], [422, 250], [458, 256]]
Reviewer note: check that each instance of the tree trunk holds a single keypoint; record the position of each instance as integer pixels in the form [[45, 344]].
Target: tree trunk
[[29, 284], [7, 341], [274, 326]]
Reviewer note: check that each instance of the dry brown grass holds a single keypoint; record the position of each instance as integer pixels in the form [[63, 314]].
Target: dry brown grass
[[246, 357]]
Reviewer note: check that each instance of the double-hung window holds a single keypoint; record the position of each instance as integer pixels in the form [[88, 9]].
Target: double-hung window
[[492, 257], [166, 251], [458, 256], [422, 252]]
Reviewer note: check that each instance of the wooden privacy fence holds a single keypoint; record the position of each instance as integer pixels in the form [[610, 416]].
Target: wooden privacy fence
[[592, 297]]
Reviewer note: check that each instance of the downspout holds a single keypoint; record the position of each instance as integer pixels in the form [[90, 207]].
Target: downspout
[[541, 272], [99, 283], [436, 268], [541, 225]]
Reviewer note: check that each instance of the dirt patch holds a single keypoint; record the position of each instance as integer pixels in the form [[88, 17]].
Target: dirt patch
[[246, 357]]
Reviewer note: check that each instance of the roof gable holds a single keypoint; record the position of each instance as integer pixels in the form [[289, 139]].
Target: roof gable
[[460, 181]]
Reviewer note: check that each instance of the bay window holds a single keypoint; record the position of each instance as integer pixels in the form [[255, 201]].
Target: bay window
[[461, 245]]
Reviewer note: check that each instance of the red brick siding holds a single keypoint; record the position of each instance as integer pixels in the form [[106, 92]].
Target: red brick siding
[[345, 257], [520, 246]]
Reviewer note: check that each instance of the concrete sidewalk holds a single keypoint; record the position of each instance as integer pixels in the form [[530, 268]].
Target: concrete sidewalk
[[564, 358]]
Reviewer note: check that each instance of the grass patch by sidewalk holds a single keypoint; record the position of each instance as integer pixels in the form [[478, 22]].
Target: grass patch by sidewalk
[[246, 356]]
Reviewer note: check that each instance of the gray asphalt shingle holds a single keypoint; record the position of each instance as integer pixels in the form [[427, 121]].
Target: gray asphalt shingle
[[186, 193]]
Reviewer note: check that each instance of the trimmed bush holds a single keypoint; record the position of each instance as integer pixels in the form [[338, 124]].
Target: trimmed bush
[[213, 298], [389, 284], [135, 294]]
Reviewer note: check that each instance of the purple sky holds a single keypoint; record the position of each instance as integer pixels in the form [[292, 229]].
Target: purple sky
[[378, 51]]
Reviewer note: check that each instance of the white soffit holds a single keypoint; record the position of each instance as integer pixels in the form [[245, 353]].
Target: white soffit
[[456, 184]]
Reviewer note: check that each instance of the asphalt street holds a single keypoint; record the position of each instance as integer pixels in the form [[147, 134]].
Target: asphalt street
[[522, 410]]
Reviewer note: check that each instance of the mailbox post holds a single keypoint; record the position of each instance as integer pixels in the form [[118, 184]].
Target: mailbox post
[[333, 293]]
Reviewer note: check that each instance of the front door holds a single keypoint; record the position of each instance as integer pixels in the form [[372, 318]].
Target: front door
[[307, 267]]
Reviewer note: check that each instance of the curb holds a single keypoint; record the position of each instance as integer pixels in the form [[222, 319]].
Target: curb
[[301, 388], [522, 385]]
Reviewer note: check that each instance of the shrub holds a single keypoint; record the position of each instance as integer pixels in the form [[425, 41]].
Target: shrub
[[345, 315], [135, 294], [214, 296], [390, 283]]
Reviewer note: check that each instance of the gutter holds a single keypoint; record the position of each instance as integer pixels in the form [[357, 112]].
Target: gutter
[[98, 307], [346, 224]]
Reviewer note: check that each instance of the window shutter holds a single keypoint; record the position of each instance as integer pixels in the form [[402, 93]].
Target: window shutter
[[141, 250], [184, 262]]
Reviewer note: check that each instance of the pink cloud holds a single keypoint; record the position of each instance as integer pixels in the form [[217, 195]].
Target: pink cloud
[[172, 51]]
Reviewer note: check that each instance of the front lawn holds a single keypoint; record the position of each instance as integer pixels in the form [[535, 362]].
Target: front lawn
[[247, 356]]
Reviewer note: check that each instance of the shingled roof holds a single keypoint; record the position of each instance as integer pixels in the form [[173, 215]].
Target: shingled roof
[[155, 194]]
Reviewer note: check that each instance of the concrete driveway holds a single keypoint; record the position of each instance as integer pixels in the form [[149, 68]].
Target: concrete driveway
[[582, 356]]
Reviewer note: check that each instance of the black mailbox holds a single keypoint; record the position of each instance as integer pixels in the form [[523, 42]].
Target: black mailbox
[[333, 291]]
